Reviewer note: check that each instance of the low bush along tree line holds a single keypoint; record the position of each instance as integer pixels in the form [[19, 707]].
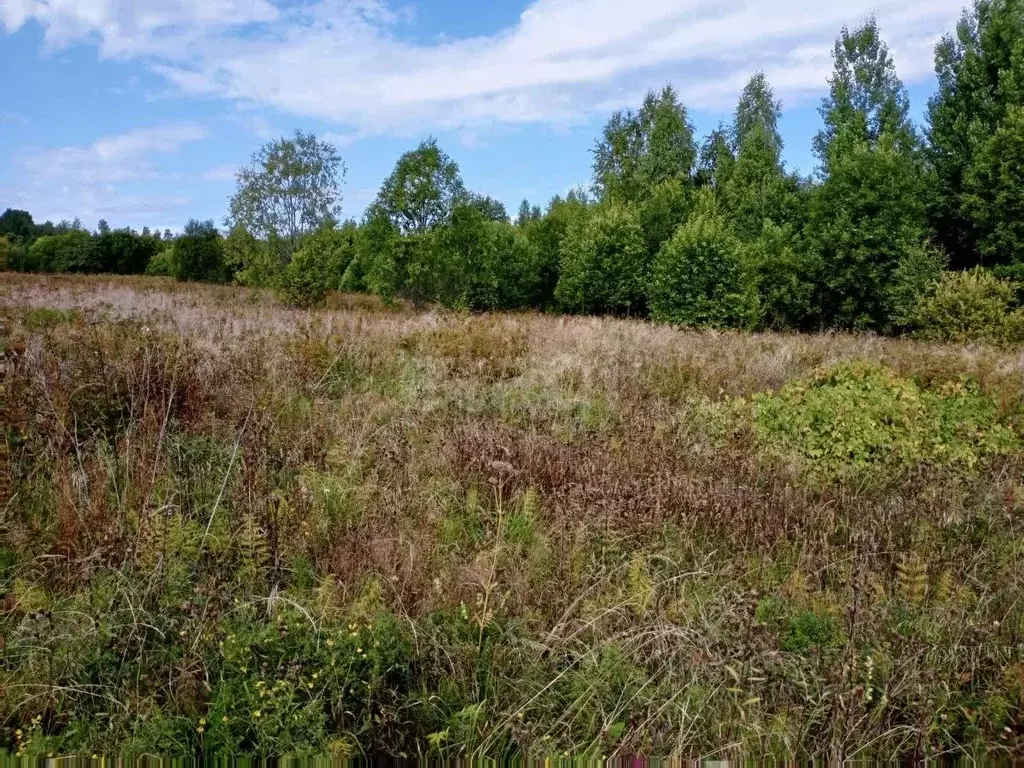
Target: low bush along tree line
[[716, 233]]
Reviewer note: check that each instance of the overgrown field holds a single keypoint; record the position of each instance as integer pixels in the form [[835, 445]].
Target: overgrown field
[[227, 527]]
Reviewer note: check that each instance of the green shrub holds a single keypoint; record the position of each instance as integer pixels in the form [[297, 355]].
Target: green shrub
[[970, 306], [73, 251], [604, 266], [807, 630], [162, 264], [699, 276], [316, 268], [860, 416], [199, 253]]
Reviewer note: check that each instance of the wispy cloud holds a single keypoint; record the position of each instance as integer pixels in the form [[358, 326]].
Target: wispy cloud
[[345, 61], [92, 181]]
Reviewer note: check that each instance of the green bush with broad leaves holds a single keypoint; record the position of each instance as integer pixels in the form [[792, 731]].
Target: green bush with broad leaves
[[858, 417]]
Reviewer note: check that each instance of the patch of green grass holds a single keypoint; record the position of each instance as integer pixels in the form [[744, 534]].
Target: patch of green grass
[[45, 317]]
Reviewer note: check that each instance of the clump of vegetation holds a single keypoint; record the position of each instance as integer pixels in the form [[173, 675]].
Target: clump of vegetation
[[971, 306], [857, 417]]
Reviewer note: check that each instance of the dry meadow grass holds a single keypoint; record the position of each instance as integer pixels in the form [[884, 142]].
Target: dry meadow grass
[[553, 535]]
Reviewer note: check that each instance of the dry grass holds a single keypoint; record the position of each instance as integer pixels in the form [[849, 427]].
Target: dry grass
[[570, 518]]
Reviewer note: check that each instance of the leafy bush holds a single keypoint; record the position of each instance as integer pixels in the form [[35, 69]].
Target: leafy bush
[[483, 264], [969, 306], [316, 268], [73, 251], [700, 278], [786, 279], [124, 252], [604, 266], [199, 253], [917, 273], [162, 264], [860, 416]]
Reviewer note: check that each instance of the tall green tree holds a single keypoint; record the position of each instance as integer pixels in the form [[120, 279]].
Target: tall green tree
[[971, 121], [756, 188], [422, 190], [546, 234], [17, 226], [716, 160], [291, 188], [868, 215], [639, 150]]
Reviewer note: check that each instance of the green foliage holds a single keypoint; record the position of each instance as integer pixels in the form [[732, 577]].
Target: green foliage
[[916, 274], [11, 256], [17, 226], [716, 160], [317, 266], [971, 306], [865, 222], [638, 151], [291, 188], [484, 264], [422, 190], [546, 235], [199, 253], [124, 252], [993, 193], [858, 417], [868, 216], [72, 251], [867, 104], [787, 276], [699, 276], [980, 72], [256, 263], [661, 214], [808, 630], [161, 264], [604, 266]]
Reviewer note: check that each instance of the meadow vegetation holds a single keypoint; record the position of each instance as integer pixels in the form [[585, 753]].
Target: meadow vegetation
[[229, 527]]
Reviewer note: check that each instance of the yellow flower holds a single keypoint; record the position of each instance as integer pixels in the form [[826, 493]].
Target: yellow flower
[[330, 643], [359, 650], [257, 714], [224, 719]]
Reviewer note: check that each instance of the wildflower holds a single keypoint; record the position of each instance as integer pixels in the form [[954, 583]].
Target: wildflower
[[359, 650], [224, 719], [257, 714], [330, 643]]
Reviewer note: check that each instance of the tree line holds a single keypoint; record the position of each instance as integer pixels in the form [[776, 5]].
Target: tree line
[[715, 232]]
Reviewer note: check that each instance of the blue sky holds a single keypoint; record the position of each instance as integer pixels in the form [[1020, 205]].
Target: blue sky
[[139, 112]]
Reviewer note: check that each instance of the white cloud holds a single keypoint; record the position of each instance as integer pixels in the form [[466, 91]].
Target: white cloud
[[344, 61], [95, 181]]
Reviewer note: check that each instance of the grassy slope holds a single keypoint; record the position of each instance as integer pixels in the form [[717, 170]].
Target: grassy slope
[[232, 527]]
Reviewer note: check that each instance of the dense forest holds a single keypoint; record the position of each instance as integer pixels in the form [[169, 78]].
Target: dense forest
[[901, 228]]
